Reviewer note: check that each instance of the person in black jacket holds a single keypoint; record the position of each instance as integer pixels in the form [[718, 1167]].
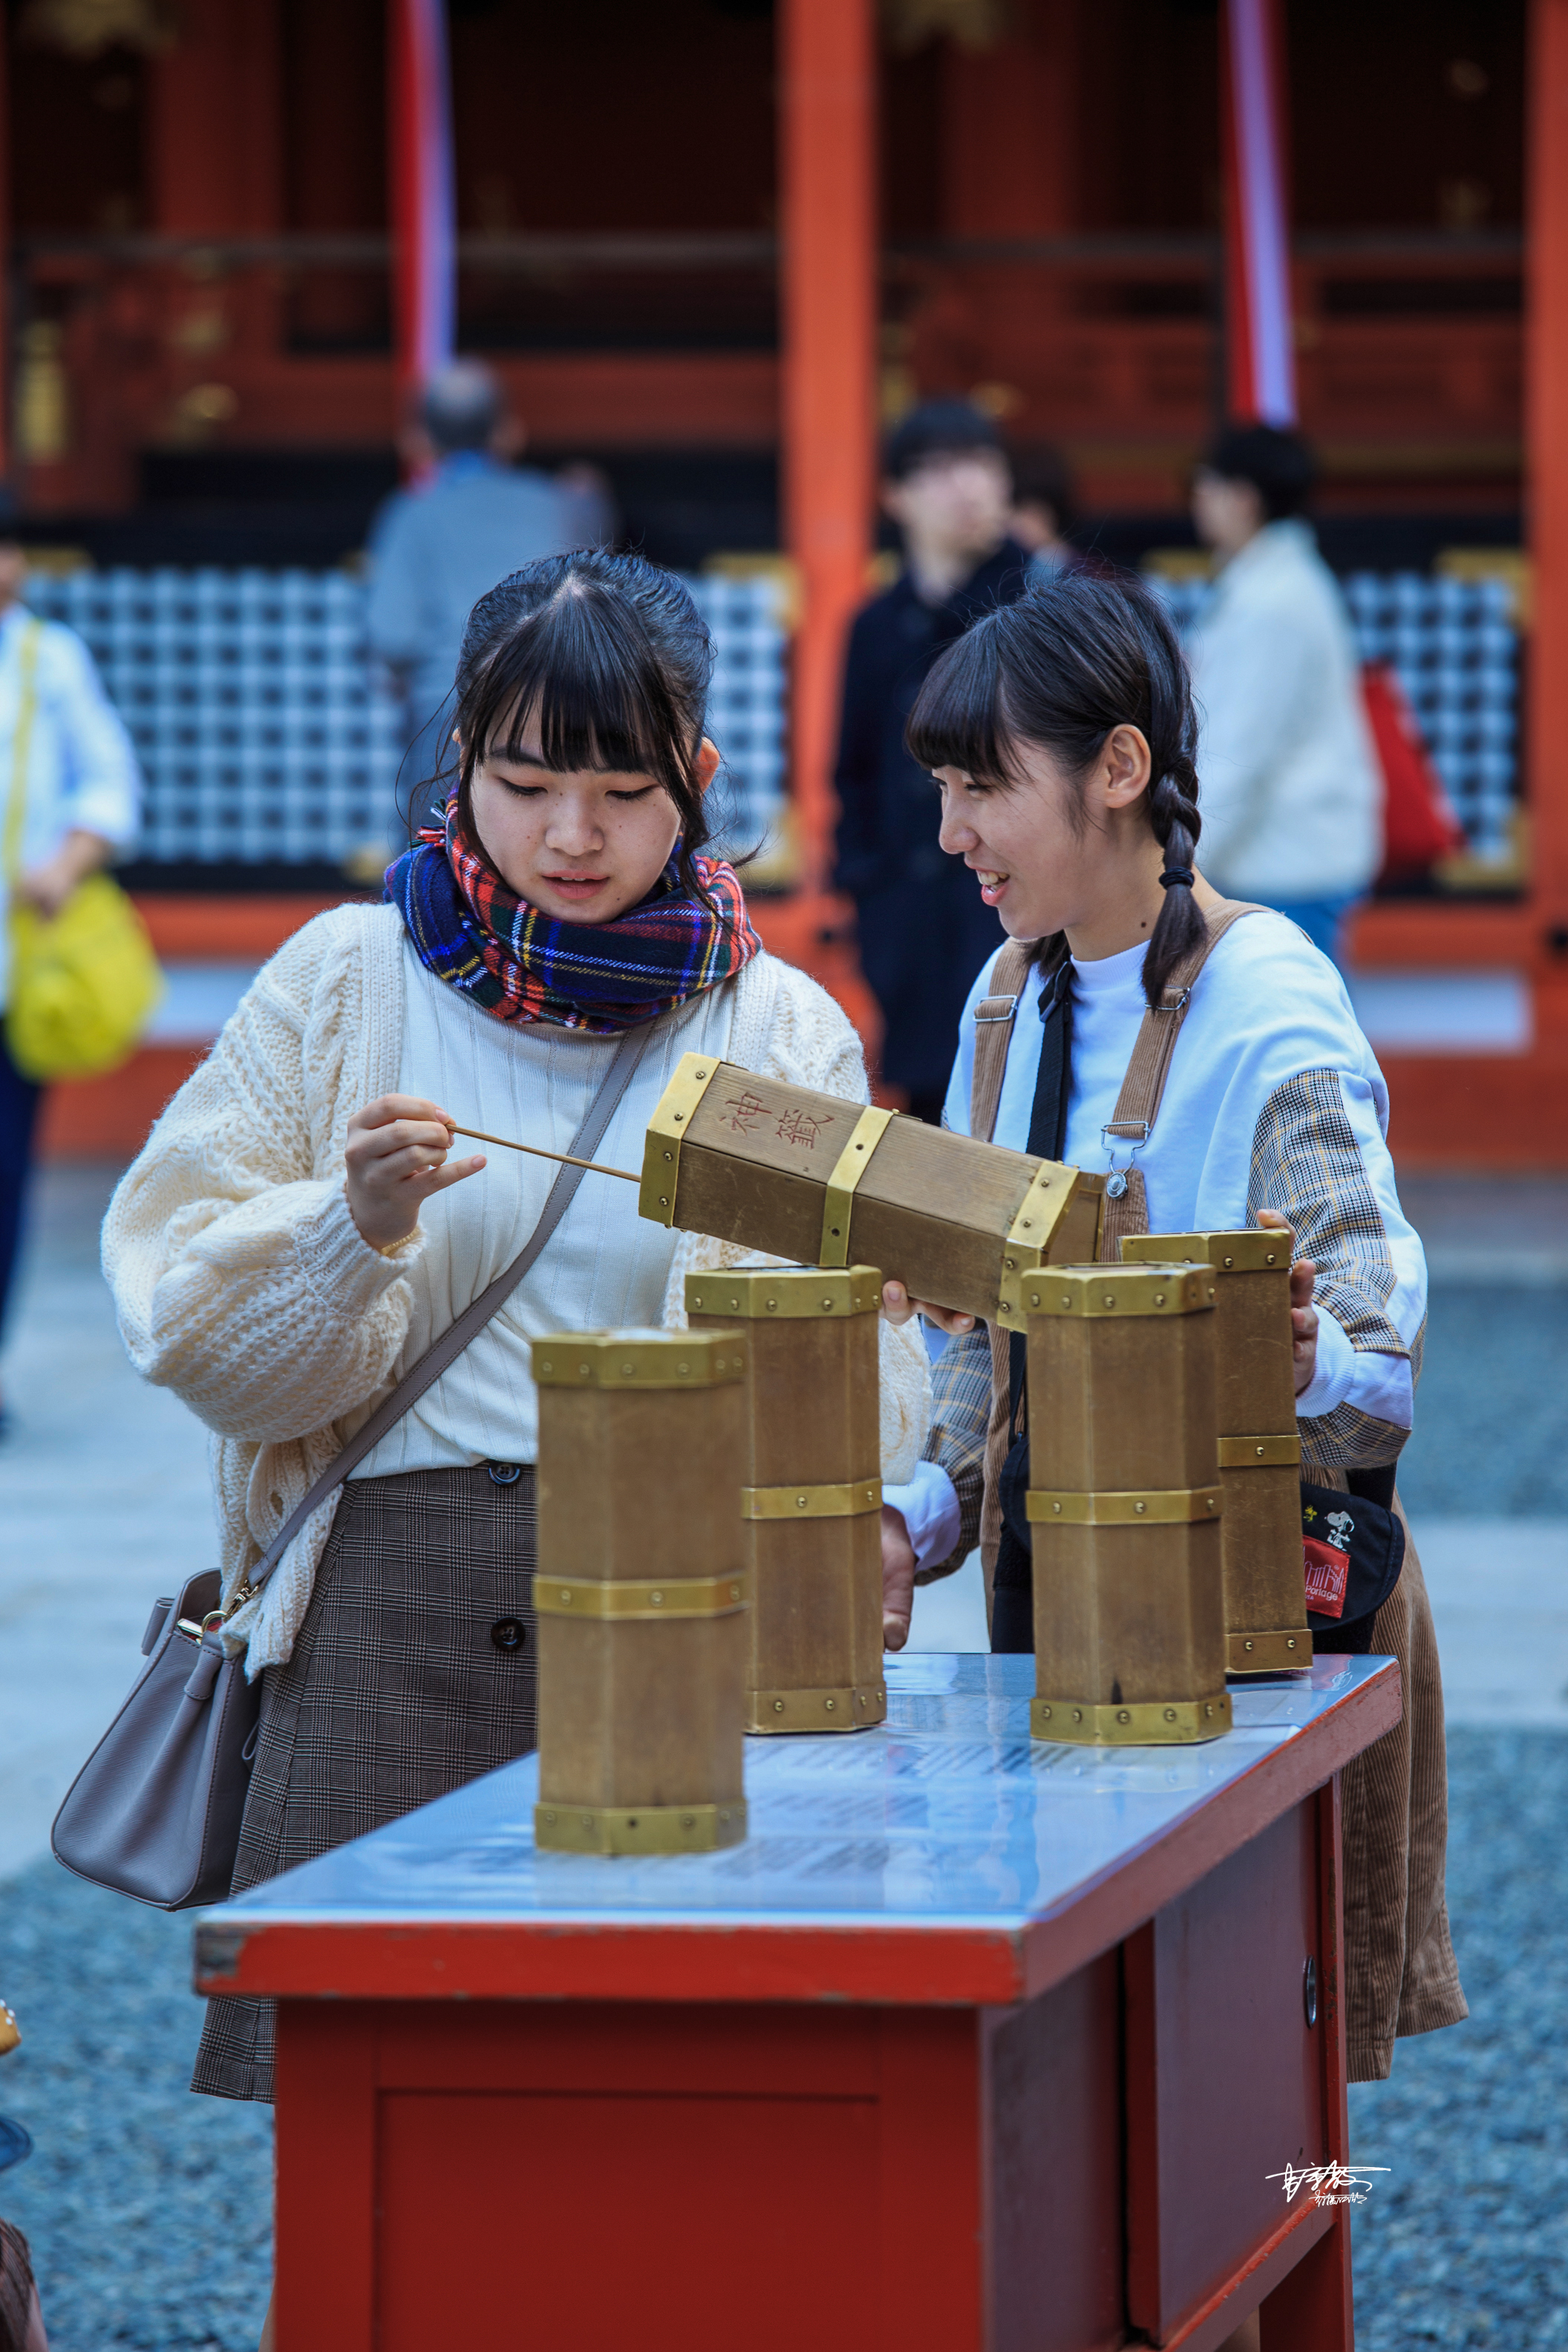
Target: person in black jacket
[[923, 930]]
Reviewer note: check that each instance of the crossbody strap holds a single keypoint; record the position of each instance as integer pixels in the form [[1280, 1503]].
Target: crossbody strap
[[472, 1320], [21, 744]]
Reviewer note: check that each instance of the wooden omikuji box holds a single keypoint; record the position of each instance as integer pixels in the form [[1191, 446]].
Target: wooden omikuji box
[[811, 1503], [1259, 1450], [815, 1178], [640, 1590], [1125, 1504]]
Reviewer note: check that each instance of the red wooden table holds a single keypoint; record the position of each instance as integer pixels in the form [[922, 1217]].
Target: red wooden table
[[977, 2044]]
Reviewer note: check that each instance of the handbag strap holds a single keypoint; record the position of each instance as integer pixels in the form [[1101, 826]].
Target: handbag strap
[[21, 744], [443, 1351]]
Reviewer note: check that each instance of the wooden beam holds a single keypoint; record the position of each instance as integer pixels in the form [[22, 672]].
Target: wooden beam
[[827, 298], [1546, 428]]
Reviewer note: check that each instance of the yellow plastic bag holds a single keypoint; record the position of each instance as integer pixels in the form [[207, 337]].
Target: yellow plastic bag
[[83, 987]]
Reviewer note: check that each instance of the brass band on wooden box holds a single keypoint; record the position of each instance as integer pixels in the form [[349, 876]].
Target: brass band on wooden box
[[641, 1590], [814, 1178], [1259, 1450], [1124, 1504], [811, 1501]]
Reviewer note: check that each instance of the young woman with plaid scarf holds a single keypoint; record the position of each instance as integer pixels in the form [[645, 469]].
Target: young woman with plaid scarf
[[1062, 733], [298, 1229]]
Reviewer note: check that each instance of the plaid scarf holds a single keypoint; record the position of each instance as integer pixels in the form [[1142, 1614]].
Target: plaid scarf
[[473, 932]]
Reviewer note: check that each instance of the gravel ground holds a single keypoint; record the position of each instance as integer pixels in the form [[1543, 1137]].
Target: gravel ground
[[149, 2211], [1462, 2245], [1487, 1440]]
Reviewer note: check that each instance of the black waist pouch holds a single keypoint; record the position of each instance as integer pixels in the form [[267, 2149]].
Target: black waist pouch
[[1359, 1526]]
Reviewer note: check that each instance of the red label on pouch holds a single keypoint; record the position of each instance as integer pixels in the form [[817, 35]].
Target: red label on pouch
[[1328, 1572]]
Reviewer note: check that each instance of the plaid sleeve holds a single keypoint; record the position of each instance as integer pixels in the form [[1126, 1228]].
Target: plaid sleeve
[[960, 1414], [1307, 1165]]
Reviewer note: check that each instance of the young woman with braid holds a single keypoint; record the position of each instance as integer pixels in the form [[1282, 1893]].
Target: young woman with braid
[[1061, 732]]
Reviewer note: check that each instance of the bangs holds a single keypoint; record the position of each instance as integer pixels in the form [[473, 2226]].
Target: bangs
[[582, 667], [960, 717]]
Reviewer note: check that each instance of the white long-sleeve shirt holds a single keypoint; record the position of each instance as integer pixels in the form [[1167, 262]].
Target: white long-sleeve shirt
[[1290, 791], [81, 772], [1274, 1099]]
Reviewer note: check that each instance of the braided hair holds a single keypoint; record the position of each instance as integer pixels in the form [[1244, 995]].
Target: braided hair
[[1081, 653]]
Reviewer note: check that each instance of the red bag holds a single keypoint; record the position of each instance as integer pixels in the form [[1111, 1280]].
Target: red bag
[[1419, 826]]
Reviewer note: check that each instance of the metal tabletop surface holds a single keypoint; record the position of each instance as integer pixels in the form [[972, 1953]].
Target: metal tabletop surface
[[948, 1817]]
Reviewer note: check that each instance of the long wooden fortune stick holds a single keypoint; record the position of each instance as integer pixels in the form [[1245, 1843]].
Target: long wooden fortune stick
[[539, 1152]]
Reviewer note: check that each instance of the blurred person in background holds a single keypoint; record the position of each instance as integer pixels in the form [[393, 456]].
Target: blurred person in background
[[924, 930], [1044, 510], [1292, 791], [471, 517], [71, 797]]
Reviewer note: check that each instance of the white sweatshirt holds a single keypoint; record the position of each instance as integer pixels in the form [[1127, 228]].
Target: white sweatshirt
[[242, 1281], [1291, 790]]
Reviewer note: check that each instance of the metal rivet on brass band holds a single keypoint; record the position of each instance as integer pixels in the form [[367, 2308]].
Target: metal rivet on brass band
[[656, 1600], [1169, 1714], [1207, 1709], [800, 1501], [1078, 1714], [551, 1818], [681, 1368], [703, 1074], [771, 1304], [1247, 1645], [697, 1303], [627, 1370], [587, 1821], [565, 1596], [1109, 1300], [827, 1306], [830, 1704], [547, 1368], [688, 1821], [1290, 1641], [679, 1115], [1258, 1451], [664, 1197], [1270, 1259], [1159, 1298], [778, 1706], [1123, 1715], [1140, 1507], [734, 1593], [1067, 1302], [1229, 1261], [583, 1371], [1045, 1714]]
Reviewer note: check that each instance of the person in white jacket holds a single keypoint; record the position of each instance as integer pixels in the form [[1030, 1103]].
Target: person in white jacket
[[1292, 793]]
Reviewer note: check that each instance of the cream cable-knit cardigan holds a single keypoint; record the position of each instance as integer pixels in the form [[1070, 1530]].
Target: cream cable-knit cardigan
[[242, 1283]]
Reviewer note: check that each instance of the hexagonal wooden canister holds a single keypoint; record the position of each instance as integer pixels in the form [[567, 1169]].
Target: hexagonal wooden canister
[[1124, 1504], [1259, 1450], [640, 1590], [812, 1494]]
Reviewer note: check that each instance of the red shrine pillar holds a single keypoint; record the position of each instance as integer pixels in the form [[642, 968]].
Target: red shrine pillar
[[828, 308], [1546, 431]]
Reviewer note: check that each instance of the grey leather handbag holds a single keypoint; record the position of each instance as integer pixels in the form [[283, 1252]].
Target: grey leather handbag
[[155, 1811]]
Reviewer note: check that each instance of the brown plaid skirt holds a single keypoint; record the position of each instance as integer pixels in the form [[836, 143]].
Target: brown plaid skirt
[[414, 1672]]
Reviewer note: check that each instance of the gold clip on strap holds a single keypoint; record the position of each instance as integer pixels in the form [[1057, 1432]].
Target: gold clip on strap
[[846, 1502], [694, 1074], [1166, 1506], [849, 1169], [1260, 1452], [691, 1596]]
